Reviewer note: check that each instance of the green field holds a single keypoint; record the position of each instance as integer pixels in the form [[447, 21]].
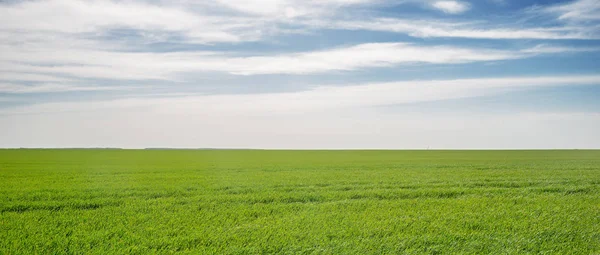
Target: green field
[[299, 202]]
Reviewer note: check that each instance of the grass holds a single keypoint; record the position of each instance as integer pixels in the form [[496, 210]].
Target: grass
[[299, 202]]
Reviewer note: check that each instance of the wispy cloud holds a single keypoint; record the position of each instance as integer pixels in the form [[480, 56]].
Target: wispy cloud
[[452, 7], [363, 56], [323, 97], [206, 22], [578, 11], [436, 28], [57, 41], [219, 21], [291, 8], [571, 20], [78, 16], [549, 49], [84, 63], [15, 76], [11, 88]]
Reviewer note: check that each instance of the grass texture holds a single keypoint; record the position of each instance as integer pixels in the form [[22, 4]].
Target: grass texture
[[299, 202]]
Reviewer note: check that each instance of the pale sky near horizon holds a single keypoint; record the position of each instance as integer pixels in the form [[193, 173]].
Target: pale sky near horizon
[[300, 74]]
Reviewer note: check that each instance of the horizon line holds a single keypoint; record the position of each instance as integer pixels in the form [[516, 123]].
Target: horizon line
[[300, 149]]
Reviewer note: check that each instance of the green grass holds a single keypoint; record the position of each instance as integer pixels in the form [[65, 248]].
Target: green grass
[[299, 202]]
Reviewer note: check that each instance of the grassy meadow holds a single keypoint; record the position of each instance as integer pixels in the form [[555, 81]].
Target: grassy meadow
[[299, 202]]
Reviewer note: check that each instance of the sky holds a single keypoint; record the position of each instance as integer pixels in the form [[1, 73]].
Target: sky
[[300, 74]]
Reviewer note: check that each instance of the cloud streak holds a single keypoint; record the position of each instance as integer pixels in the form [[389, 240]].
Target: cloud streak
[[16, 76], [77, 17], [575, 11], [10, 88], [433, 28], [452, 7], [84, 63], [217, 21], [322, 97]]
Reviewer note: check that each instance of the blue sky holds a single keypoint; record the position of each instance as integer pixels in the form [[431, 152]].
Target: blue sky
[[328, 74]]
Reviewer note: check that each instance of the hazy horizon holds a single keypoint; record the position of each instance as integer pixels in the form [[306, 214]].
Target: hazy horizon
[[301, 149]]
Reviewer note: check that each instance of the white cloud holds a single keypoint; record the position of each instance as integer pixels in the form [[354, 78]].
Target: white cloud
[[192, 21], [452, 7], [235, 21], [578, 10], [12, 76], [322, 97], [90, 63], [79, 16], [65, 37], [548, 49], [290, 8], [431, 28], [362, 56], [11, 88]]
